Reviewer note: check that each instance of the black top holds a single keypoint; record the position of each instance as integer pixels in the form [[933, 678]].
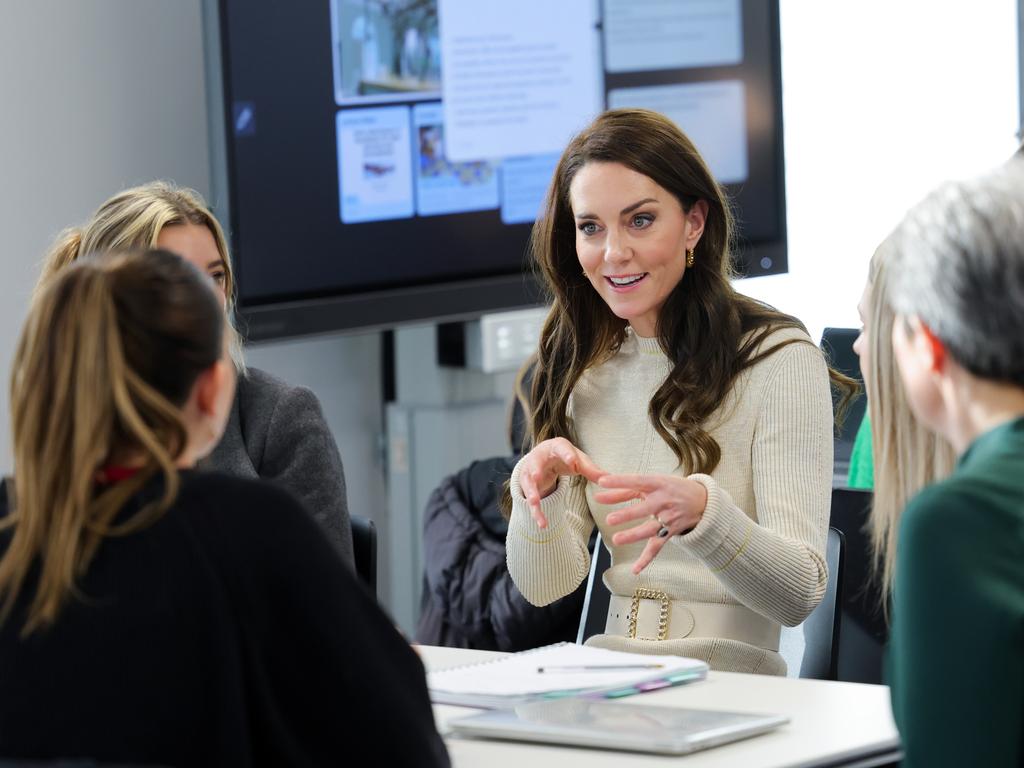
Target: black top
[[227, 633]]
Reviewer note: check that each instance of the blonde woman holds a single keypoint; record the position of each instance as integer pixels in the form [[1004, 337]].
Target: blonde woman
[[275, 431], [150, 614], [906, 455]]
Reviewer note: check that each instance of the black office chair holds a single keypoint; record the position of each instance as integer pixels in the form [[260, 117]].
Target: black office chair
[[820, 630], [820, 657], [364, 544], [865, 632]]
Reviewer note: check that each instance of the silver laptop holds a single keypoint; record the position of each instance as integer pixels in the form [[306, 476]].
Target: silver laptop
[[604, 724]]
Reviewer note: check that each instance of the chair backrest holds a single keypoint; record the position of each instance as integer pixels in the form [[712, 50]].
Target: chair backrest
[[595, 603], [364, 545], [865, 633], [821, 629]]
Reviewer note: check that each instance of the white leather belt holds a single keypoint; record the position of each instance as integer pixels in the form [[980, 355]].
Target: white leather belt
[[651, 615]]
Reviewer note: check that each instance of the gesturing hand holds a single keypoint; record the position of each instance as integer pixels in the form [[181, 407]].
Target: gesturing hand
[[671, 504], [542, 467]]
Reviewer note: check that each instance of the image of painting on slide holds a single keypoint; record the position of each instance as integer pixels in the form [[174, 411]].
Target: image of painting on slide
[[443, 186]]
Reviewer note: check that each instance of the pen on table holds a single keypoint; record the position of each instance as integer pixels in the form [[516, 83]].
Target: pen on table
[[598, 667]]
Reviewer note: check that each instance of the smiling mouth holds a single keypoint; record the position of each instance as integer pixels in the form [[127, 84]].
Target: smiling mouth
[[624, 281]]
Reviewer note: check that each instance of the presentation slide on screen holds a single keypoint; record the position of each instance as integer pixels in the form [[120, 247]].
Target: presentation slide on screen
[[485, 131], [643, 35], [512, 86], [711, 114], [385, 51], [441, 185], [374, 164], [524, 182]]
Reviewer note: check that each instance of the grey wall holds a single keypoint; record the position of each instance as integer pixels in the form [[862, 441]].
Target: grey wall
[[345, 373], [96, 95]]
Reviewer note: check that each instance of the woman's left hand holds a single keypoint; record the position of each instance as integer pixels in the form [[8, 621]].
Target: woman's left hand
[[673, 505]]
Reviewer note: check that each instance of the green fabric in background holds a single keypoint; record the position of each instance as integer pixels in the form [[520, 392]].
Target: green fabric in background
[[862, 465]]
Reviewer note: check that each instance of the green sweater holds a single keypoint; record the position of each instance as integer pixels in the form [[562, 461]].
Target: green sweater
[[862, 465], [956, 658]]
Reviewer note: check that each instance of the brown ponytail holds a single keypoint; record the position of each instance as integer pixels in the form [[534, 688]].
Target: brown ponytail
[[109, 353], [66, 249]]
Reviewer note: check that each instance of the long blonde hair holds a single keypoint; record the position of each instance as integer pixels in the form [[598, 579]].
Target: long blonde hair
[[110, 351], [132, 220], [906, 455]]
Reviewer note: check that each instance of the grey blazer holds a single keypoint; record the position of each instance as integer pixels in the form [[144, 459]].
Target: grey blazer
[[277, 432]]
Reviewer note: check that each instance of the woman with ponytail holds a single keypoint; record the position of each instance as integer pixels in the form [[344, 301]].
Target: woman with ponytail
[[691, 424], [275, 431], [150, 614]]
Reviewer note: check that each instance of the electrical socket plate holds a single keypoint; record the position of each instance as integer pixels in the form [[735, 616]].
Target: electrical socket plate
[[502, 341]]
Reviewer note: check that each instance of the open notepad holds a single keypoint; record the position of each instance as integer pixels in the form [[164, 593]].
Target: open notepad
[[554, 671]]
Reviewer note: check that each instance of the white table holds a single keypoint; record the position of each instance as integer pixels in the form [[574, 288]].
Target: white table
[[831, 724]]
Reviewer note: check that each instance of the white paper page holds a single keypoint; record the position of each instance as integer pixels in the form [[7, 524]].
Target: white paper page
[[518, 78], [517, 674]]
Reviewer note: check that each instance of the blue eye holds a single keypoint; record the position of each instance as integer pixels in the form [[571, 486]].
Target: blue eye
[[588, 228], [642, 220]]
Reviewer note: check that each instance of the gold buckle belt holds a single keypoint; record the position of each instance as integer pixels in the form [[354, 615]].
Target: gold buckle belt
[[650, 614], [634, 609]]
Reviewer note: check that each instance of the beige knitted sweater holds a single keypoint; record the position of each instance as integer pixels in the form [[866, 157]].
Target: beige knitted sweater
[[761, 540]]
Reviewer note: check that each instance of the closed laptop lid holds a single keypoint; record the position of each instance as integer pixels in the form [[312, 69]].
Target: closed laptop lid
[[612, 725]]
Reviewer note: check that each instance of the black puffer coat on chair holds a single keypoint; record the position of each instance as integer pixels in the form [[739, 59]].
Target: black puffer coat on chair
[[469, 599]]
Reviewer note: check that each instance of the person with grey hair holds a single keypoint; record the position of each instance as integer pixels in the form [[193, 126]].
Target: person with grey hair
[[956, 656]]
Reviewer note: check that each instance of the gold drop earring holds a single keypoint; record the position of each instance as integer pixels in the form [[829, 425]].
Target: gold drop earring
[[690, 258]]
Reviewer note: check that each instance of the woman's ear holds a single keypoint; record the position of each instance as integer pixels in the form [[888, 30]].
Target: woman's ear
[[928, 346], [695, 218], [215, 389]]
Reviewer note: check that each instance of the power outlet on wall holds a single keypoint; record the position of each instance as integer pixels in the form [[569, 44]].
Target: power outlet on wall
[[504, 340], [495, 343]]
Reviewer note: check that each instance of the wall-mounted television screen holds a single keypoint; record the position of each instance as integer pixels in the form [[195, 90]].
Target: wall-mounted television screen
[[385, 159]]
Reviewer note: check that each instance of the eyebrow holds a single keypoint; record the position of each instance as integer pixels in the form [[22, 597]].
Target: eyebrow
[[215, 263], [624, 211]]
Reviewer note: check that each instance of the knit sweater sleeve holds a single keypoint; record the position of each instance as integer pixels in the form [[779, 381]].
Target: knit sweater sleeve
[[549, 563], [773, 559]]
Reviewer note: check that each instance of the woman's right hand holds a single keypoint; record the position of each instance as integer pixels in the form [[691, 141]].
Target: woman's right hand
[[542, 467]]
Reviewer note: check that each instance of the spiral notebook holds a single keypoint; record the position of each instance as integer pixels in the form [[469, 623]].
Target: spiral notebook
[[560, 670]]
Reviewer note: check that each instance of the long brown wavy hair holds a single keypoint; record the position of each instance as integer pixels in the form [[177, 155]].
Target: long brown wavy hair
[[109, 353], [709, 331]]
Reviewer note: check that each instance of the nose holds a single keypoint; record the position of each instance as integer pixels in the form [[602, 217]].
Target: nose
[[616, 250]]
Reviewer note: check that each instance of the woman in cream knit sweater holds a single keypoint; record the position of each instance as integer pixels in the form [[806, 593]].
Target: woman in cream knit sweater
[[691, 424]]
